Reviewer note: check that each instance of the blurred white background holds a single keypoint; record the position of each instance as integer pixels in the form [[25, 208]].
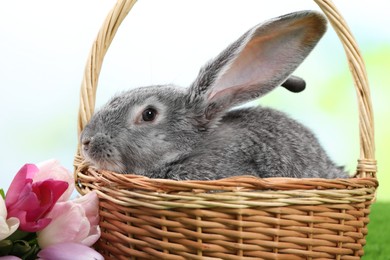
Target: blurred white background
[[44, 46]]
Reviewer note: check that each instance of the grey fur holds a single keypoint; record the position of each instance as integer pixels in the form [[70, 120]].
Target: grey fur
[[196, 135]]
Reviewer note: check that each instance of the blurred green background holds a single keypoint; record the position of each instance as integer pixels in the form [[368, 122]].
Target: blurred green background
[[44, 46]]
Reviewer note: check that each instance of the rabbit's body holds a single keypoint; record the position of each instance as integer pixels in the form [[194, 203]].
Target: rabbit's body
[[192, 133], [273, 147]]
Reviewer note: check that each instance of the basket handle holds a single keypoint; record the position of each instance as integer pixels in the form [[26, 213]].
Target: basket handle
[[92, 69], [366, 166]]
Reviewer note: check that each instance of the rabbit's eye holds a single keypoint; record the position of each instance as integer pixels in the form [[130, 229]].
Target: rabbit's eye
[[149, 114]]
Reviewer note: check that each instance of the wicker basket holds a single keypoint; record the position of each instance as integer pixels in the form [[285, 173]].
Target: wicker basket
[[234, 218]]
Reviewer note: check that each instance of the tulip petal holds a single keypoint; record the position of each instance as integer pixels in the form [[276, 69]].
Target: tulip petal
[[9, 257], [48, 192], [35, 225], [34, 201], [7, 226], [69, 224], [69, 251], [27, 200], [25, 175], [90, 203], [3, 209], [94, 235], [72, 221], [52, 169]]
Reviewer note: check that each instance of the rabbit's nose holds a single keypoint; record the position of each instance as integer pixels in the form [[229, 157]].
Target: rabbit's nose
[[86, 143]]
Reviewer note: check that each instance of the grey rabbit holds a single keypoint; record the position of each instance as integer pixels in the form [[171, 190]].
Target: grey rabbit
[[193, 133]]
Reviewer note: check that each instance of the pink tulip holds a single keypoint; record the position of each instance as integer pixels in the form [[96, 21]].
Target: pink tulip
[[7, 226], [69, 251], [30, 201], [9, 257], [72, 221], [52, 169]]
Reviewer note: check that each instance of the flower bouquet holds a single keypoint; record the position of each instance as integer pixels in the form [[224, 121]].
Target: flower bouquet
[[38, 221]]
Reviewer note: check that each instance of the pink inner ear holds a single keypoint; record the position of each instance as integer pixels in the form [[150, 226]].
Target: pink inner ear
[[271, 52], [264, 59]]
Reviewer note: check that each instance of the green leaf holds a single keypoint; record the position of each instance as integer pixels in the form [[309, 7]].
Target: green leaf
[[32, 253], [2, 193], [20, 248], [20, 235], [5, 247], [24, 250]]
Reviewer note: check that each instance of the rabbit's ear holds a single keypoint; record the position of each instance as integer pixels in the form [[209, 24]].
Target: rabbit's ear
[[257, 62]]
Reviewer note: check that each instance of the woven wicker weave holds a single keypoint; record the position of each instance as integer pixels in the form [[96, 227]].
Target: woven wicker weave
[[235, 218]]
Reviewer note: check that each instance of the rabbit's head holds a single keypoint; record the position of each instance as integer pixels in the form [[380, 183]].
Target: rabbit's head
[[146, 128]]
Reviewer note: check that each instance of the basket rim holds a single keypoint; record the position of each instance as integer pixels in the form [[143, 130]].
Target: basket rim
[[366, 165], [103, 179], [239, 192]]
